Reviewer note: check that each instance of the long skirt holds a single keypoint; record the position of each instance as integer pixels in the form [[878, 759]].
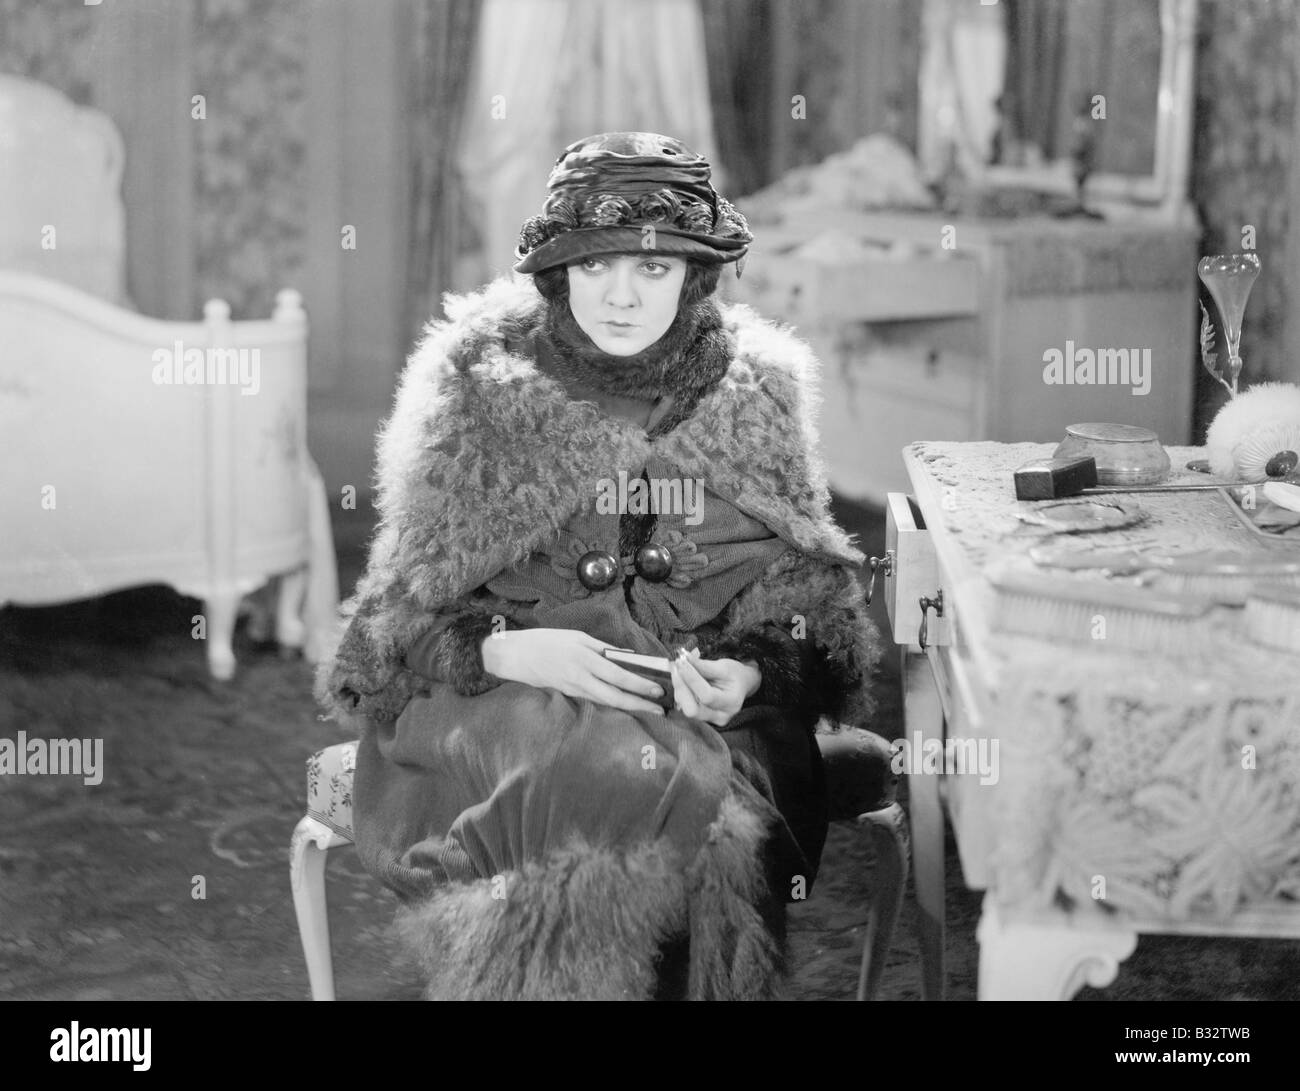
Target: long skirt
[[522, 818]]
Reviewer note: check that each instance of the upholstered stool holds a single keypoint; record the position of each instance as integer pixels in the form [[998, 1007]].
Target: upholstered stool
[[860, 781]]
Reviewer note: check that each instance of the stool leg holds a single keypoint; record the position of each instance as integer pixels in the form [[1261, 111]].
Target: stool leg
[[888, 830], [923, 717], [307, 855]]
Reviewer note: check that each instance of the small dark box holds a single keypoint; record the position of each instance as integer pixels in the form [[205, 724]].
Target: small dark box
[[1053, 478]]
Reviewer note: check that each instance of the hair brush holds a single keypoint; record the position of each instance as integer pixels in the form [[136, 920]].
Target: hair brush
[[1098, 613]]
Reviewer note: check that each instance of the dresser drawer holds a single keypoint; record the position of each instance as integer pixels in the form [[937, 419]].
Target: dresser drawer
[[807, 291], [912, 574]]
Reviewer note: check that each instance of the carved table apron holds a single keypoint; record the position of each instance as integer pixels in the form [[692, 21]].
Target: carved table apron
[[1096, 793]]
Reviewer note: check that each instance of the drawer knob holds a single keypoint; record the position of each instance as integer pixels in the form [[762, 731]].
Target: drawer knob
[[876, 564], [926, 603]]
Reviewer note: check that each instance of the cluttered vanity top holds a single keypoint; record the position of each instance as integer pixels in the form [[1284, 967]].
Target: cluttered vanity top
[[1141, 592]]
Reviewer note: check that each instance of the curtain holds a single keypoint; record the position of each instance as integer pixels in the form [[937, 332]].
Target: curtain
[[548, 72], [739, 46], [962, 71], [1035, 62], [444, 35], [1059, 57]]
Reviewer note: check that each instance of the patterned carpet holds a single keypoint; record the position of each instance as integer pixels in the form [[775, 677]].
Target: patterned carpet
[[169, 880]]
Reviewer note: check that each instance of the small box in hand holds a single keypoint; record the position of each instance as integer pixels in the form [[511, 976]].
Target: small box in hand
[[1053, 478], [653, 667]]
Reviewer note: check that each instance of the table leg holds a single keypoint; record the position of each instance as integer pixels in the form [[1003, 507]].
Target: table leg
[[1045, 961], [923, 717]]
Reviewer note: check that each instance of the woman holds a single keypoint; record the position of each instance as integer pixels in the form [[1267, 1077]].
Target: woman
[[603, 457]]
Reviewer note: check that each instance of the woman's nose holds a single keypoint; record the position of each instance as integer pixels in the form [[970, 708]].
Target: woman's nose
[[621, 290]]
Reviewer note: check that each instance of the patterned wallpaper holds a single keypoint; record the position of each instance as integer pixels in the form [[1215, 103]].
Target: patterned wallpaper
[[53, 43], [1242, 164], [248, 59], [250, 62]]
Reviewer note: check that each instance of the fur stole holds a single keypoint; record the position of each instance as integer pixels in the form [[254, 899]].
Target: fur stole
[[686, 362], [484, 459]]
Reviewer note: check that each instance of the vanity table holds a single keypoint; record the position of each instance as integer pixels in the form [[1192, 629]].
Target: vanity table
[[1132, 792]]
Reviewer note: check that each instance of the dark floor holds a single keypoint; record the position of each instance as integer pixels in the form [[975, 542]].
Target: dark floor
[[203, 784]]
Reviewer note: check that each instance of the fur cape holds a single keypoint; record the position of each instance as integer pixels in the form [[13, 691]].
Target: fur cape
[[485, 458]]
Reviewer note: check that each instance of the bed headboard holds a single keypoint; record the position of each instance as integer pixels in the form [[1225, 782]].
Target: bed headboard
[[61, 190]]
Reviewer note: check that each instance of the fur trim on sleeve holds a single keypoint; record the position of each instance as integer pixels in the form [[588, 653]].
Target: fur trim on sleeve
[[454, 654], [811, 600], [779, 660], [365, 679]]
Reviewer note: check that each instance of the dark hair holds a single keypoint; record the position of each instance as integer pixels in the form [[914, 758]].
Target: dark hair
[[701, 280]]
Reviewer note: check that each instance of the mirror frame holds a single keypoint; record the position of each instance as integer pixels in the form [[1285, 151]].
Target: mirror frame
[[1163, 192]]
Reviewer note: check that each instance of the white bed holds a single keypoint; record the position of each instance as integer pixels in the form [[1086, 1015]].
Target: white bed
[[109, 476]]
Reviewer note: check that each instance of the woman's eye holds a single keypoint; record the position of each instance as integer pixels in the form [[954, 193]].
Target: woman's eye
[[654, 268], [592, 264]]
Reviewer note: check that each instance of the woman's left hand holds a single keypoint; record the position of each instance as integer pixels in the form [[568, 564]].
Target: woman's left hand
[[712, 690]]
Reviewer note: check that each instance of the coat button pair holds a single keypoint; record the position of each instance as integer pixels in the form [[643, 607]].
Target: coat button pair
[[599, 569]]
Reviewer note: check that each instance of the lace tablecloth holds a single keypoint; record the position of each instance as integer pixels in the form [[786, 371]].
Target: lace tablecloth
[[1166, 786]]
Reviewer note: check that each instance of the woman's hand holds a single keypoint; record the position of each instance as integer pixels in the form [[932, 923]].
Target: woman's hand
[[713, 690], [568, 660]]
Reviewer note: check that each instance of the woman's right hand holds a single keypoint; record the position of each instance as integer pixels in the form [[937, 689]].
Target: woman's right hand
[[571, 661]]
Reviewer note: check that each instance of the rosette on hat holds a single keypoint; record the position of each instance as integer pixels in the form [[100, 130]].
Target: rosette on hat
[[607, 190]]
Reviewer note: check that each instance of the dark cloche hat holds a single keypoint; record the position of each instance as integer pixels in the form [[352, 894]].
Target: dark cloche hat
[[605, 190]]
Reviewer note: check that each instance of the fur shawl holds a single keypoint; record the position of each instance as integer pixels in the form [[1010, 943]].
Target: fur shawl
[[484, 459]]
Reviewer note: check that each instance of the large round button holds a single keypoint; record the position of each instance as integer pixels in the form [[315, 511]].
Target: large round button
[[597, 570], [654, 562]]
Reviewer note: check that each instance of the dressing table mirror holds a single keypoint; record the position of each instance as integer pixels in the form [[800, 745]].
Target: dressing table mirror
[[1090, 99]]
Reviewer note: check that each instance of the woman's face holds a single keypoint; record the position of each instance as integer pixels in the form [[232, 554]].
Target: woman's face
[[625, 302]]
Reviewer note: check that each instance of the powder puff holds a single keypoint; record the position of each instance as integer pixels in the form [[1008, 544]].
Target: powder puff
[[1255, 426]]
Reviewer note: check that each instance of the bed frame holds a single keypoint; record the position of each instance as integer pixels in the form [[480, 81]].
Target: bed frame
[[136, 450]]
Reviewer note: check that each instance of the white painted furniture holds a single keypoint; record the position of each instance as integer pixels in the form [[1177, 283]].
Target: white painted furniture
[[112, 477], [1139, 789], [61, 186]]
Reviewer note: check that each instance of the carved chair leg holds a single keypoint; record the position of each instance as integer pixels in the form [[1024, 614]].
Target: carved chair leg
[[307, 853], [888, 831]]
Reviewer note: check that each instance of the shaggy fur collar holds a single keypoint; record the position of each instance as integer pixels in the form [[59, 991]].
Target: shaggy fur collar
[[485, 457], [687, 360]]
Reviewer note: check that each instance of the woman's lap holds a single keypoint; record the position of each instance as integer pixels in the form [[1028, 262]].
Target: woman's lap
[[475, 786]]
